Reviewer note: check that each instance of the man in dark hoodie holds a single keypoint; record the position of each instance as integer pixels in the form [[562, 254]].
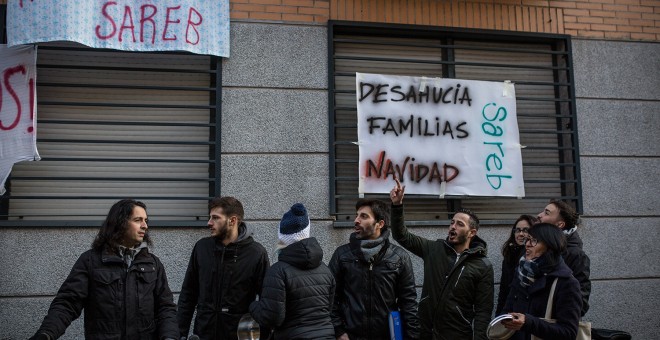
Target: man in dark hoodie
[[457, 293], [298, 289], [224, 275], [374, 277], [562, 215]]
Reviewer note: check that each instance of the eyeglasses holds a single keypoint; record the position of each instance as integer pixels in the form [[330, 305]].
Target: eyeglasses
[[532, 241], [519, 230]]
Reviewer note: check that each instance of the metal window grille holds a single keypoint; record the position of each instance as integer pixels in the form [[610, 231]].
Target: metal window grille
[[539, 64], [113, 125]]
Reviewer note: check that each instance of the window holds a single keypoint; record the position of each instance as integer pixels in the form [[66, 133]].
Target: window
[[540, 66], [113, 125]]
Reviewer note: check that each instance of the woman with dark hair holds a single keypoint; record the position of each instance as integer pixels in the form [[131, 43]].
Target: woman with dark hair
[[119, 284], [538, 268], [511, 251]]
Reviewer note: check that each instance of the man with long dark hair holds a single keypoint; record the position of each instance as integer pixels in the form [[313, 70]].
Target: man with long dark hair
[[121, 286]]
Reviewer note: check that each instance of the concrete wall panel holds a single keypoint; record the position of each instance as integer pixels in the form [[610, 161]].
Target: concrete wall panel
[[269, 184], [627, 305], [613, 244], [618, 127], [616, 70], [620, 186], [267, 120], [265, 55]]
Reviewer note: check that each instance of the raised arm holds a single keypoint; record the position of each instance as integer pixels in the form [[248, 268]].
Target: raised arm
[[406, 239]]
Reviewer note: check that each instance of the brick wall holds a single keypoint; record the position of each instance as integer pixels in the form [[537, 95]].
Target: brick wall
[[281, 10], [600, 19]]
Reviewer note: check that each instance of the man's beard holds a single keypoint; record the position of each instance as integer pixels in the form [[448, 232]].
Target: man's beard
[[223, 231], [459, 239]]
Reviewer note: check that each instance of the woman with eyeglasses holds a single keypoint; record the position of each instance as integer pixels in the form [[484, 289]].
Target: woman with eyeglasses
[[528, 296], [511, 251]]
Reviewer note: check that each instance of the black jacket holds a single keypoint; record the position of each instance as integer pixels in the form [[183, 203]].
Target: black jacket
[[221, 282], [297, 294], [368, 291], [119, 302], [509, 264], [457, 293], [579, 263], [532, 302]]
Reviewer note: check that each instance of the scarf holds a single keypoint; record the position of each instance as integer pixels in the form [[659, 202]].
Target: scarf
[[371, 248], [128, 254], [528, 271]]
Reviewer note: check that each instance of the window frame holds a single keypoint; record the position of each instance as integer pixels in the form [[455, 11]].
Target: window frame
[[564, 87]]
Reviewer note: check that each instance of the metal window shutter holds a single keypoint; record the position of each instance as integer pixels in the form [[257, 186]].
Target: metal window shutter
[[529, 65], [117, 140], [535, 110]]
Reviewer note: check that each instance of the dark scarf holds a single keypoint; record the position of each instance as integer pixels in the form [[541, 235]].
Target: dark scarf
[[371, 248], [528, 271]]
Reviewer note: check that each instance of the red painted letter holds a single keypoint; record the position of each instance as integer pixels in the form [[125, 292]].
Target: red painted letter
[[6, 75], [168, 21], [129, 15], [112, 22], [193, 24], [149, 18]]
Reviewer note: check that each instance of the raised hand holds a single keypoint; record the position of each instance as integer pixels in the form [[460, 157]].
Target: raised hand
[[396, 194]]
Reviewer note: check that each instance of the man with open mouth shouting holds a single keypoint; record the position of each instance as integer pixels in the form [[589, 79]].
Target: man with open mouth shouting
[[457, 293]]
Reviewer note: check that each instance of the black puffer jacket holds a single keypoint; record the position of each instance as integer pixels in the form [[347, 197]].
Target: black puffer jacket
[[119, 304], [221, 282], [457, 294], [578, 261], [368, 291], [533, 300], [297, 294]]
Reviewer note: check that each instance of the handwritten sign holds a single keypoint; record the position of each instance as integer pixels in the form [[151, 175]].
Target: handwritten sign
[[198, 26], [438, 136], [18, 110]]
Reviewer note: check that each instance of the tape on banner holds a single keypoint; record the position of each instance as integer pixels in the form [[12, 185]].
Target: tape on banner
[[508, 89], [361, 187], [521, 192], [443, 189], [422, 84], [356, 143]]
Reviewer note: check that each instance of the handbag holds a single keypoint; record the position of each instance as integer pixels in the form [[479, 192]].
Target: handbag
[[584, 327]]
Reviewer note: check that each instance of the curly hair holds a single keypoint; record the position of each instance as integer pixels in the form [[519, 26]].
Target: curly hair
[[115, 225], [567, 213]]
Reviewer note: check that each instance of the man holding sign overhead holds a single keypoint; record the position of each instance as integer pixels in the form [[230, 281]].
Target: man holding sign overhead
[[457, 294]]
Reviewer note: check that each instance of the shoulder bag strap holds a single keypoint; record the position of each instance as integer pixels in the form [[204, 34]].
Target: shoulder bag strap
[[548, 307]]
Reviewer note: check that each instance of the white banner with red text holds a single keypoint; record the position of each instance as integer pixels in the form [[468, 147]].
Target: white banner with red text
[[438, 136], [18, 108], [197, 26]]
